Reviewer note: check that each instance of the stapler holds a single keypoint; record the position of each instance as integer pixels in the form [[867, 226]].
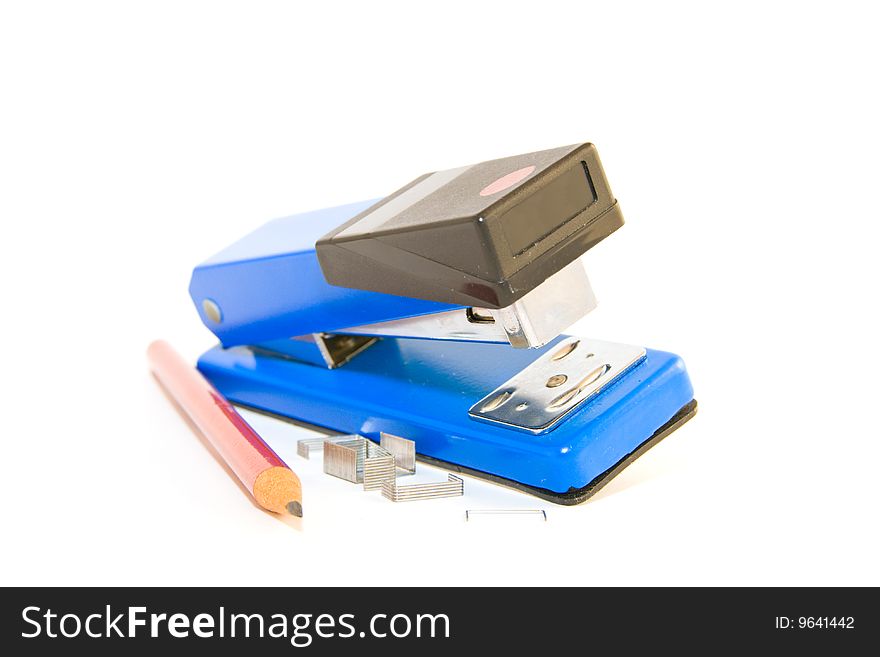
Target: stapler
[[438, 314]]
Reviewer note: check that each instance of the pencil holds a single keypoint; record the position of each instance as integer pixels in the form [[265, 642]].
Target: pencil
[[274, 486]]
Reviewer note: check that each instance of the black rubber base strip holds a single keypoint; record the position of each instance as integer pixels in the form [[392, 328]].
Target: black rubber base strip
[[578, 495], [569, 498]]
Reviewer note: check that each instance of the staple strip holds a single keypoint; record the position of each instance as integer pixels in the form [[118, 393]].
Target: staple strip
[[505, 512], [403, 450], [378, 465], [341, 460], [305, 446], [358, 460], [377, 471], [451, 488]]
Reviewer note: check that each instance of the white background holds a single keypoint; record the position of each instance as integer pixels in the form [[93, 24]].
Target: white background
[[137, 139]]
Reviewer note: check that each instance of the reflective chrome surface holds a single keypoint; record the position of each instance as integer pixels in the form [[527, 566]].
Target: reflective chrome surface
[[556, 383]]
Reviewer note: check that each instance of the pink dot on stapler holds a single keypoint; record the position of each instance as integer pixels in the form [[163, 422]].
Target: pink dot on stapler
[[507, 181]]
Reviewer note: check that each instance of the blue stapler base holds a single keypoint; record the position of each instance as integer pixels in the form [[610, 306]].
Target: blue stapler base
[[422, 390]]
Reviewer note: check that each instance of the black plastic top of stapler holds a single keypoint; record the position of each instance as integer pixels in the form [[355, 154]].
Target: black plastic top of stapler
[[482, 235]]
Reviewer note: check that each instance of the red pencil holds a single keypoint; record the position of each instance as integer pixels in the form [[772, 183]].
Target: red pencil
[[273, 485]]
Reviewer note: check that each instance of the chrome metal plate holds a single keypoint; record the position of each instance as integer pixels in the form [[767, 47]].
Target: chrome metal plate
[[569, 374]]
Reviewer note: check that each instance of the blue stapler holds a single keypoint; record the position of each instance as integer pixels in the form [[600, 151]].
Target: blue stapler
[[437, 314]]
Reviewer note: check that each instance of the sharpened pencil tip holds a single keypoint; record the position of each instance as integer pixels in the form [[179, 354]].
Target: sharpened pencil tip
[[295, 509]]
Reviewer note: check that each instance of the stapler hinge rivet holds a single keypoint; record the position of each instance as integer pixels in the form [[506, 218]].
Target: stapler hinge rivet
[[212, 311]]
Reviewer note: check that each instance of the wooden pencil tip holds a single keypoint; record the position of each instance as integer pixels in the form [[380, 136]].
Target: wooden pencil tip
[[295, 509]]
